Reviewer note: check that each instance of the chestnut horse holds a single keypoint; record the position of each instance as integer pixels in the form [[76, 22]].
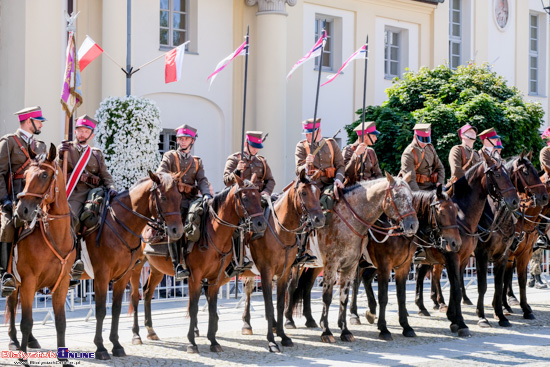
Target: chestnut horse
[[487, 178], [437, 215], [341, 242], [206, 261], [297, 210], [43, 257]]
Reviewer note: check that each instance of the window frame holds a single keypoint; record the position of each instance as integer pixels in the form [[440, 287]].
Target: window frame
[[534, 54], [455, 39], [170, 28], [387, 53], [319, 19]]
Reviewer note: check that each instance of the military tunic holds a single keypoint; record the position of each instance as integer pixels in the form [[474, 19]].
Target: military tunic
[[18, 159], [323, 160], [255, 165], [545, 160], [461, 158], [420, 177], [96, 168], [371, 167]]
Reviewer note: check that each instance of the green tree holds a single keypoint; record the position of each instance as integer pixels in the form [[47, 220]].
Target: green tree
[[448, 99]]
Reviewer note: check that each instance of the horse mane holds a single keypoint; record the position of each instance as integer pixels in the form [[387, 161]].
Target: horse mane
[[220, 197], [422, 201], [365, 183], [510, 162], [461, 186]]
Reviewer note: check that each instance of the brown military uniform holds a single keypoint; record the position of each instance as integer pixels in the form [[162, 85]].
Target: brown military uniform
[[422, 167], [545, 160], [461, 158], [329, 157], [255, 165], [8, 143], [352, 161], [94, 175], [194, 177]]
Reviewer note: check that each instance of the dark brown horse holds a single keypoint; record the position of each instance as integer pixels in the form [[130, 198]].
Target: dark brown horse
[[488, 178], [497, 242], [44, 255], [296, 210], [206, 261], [437, 216]]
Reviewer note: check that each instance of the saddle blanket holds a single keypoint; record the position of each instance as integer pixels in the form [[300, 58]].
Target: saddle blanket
[[88, 268], [315, 251]]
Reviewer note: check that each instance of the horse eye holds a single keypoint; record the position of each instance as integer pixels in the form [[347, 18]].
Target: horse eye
[[163, 198], [497, 175], [304, 193], [44, 175]]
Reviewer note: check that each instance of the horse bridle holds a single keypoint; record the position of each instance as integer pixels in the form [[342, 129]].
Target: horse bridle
[[246, 217], [527, 189], [494, 189], [437, 229], [305, 219]]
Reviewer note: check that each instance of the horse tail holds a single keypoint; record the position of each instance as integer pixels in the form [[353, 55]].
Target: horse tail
[[304, 285], [7, 312]]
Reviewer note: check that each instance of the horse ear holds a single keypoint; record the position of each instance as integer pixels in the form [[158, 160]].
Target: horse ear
[[52, 154], [407, 177], [389, 177], [530, 155], [486, 156], [522, 154], [315, 175], [154, 177], [239, 180], [302, 176], [439, 191]]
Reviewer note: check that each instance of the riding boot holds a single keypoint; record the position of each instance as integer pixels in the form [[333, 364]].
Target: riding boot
[[419, 255], [531, 282], [539, 284], [247, 264], [8, 282], [78, 267], [180, 273], [303, 257]]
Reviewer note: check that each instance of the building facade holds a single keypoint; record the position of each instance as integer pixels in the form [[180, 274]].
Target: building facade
[[511, 35]]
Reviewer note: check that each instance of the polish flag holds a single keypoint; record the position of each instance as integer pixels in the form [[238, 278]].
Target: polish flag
[[173, 61], [87, 52]]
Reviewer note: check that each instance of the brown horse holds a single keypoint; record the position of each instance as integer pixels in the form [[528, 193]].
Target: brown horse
[[296, 210], [341, 242], [437, 215], [206, 261], [488, 178], [44, 255]]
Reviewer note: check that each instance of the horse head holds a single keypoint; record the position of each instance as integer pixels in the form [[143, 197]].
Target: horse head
[[397, 204], [305, 197], [42, 186], [164, 203], [443, 218], [248, 205], [497, 182], [526, 179]]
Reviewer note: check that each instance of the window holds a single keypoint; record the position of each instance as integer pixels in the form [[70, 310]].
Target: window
[[455, 33], [392, 53], [174, 22], [533, 54], [328, 52], [167, 140]]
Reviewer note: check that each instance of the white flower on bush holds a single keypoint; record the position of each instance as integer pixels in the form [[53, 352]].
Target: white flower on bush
[[127, 133]]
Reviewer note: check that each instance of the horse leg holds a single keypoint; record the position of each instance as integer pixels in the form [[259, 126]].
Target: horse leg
[[454, 312], [193, 307], [421, 272], [101, 285], [328, 286], [437, 292], [26, 293], [481, 270], [521, 266], [248, 288], [155, 277], [291, 290], [267, 290], [508, 297], [499, 268], [281, 291], [58, 303], [401, 275], [465, 299], [11, 307], [118, 293], [134, 282], [353, 314], [368, 277], [346, 335], [309, 283], [383, 276], [213, 318]]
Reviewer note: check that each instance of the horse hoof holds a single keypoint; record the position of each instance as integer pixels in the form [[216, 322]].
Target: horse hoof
[[287, 342], [102, 355], [192, 349], [119, 352], [354, 320], [216, 348], [14, 345], [347, 337], [327, 339], [34, 344], [385, 335], [464, 333], [274, 348], [506, 312], [504, 323], [513, 301], [484, 323], [247, 331], [443, 308], [467, 302], [436, 307], [454, 328], [424, 313], [153, 336], [290, 324], [136, 340], [370, 317], [409, 333], [311, 324], [529, 316]]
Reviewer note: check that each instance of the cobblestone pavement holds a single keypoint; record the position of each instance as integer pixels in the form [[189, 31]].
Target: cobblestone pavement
[[527, 342]]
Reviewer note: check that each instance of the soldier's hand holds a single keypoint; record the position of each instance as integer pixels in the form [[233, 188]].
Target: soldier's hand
[[337, 185], [265, 195], [7, 205], [241, 166], [64, 146], [310, 158], [361, 149]]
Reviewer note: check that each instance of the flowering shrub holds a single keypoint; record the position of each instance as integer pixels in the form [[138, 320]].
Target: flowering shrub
[[127, 133]]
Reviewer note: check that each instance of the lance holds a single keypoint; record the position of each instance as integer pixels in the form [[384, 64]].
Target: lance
[[315, 132], [364, 106], [244, 98]]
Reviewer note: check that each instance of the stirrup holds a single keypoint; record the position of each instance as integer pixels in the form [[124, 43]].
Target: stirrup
[[419, 256], [8, 285], [180, 273], [306, 259], [247, 265], [231, 271], [77, 270], [73, 283]]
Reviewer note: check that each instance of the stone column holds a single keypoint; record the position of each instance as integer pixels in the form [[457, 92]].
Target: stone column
[[270, 56]]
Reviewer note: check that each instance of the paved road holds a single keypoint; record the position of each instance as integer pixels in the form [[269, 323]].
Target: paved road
[[527, 342]]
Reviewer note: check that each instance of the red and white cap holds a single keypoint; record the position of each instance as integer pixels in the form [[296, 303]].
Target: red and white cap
[[34, 113], [86, 121]]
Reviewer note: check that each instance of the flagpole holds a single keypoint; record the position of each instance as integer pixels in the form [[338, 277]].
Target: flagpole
[[244, 98], [315, 132], [364, 106]]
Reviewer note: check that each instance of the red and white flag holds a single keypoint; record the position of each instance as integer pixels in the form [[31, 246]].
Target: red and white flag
[[241, 50], [359, 54], [173, 61], [88, 52], [313, 53]]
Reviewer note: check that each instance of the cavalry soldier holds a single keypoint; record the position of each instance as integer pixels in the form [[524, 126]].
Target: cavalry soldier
[[192, 181], [15, 156], [86, 170], [245, 167], [491, 143], [543, 242], [463, 156], [354, 155], [328, 162]]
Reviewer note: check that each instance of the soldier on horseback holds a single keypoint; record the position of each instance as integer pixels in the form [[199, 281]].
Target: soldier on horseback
[[246, 167], [543, 242], [192, 181], [354, 155], [318, 155], [86, 171], [491, 143], [463, 156], [15, 156]]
